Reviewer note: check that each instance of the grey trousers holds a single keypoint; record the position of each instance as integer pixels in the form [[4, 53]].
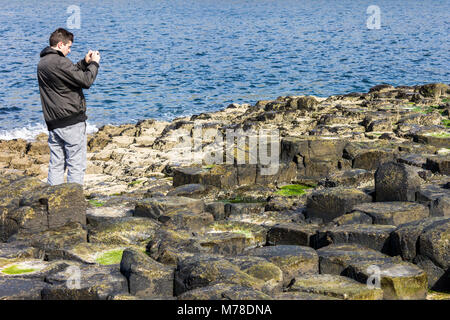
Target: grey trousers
[[67, 150]]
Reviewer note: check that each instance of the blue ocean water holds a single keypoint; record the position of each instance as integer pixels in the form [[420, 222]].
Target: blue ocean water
[[165, 59]]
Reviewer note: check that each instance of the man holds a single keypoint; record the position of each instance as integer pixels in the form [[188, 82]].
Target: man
[[64, 106]]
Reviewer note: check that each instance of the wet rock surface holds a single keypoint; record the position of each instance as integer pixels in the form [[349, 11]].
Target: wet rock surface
[[356, 205]]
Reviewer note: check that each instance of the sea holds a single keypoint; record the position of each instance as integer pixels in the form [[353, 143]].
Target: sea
[[168, 59]]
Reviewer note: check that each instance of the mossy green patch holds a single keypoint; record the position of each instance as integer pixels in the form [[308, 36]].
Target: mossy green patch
[[17, 269], [446, 100], [293, 190], [209, 166], [446, 123], [439, 134], [136, 182], [110, 257], [96, 203]]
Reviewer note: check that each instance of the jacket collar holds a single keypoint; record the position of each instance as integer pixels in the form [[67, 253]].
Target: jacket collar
[[50, 50]]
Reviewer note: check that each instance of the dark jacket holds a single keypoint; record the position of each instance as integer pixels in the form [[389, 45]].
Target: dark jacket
[[60, 84]]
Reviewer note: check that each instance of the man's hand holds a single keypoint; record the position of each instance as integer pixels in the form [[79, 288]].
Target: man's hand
[[88, 57], [95, 56]]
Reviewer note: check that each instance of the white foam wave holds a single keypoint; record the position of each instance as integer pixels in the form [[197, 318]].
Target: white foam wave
[[30, 131]]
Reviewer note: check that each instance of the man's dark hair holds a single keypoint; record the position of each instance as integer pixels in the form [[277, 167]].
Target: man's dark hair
[[60, 34]]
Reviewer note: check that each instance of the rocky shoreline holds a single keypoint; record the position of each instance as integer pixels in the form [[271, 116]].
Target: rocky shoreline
[[359, 207]]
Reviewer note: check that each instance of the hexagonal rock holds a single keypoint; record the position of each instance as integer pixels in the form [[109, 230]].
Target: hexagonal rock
[[222, 291], [21, 289], [46, 208], [372, 236], [146, 277], [205, 270], [399, 281], [437, 198], [405, 239], [53, 240], [393, 213], [315, 156], [312, 148], [434, 243], [335, 286], [159, 206], [396, 182], [439, 164], [330, 203], [123, 231], [368, 156], [95, 283], [295, 234], [232, 237], [292, 260]]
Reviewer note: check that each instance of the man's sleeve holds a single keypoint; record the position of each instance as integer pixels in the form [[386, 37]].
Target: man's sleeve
[[74, 74], [82, 65]]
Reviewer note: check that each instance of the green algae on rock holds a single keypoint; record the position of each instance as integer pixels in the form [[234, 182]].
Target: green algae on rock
[[293, 190], [110, 257]]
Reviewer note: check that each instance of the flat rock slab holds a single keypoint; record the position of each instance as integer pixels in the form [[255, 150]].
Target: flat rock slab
[[335, 286], [123, 231], [269, 218], [232, 237], [224, 292], [159, 206], [335, 258], [399, 281], [85, 282], [375, 237], [21, 289], [16, 250], [330, 203], [292, 260], [356, 217], [186, 219], [348, 178], [393, 213]]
